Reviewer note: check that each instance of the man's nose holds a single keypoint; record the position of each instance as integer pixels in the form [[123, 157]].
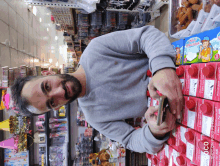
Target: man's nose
[[57, 93]]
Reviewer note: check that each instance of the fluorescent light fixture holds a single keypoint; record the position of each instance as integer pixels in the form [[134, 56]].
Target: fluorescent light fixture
[[46, 64], [36, 60], [56, 37], [40, 19], [47, 29], [50, 60], [34, 10], [57, 64], [32, 60]]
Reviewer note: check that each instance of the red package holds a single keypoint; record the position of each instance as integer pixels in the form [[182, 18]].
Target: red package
[[217, 98], [203, 150], [215, 153], [216, 133], [178, 159], [190, 112], [192, 80], [155, 161], [205, 117], [172, 141], [149, 157], [190, 137], [181, 141], [180, 71], [163, 156], [208, 80]]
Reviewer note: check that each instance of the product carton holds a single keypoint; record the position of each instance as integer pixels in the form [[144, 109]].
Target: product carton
[[149, 158], [181, 141], [192, 80], [163, 156], [190, 137], [216, 133], [179, 48], [172, 141], [208, 80], [203, 150], [155, 161], [203, 47], [180, 71], [217, 96], [190, 112], [178, 159], [215, 155], [205, 117]]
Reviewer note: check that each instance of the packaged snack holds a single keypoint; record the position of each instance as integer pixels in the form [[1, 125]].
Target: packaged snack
[[199, 22], [216, 133], [190, 138], [179, 48], [188, 30], [180, 71], [215, 11]]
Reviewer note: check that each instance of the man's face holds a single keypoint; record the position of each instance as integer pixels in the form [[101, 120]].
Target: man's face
[[205, 44], [51, 92]]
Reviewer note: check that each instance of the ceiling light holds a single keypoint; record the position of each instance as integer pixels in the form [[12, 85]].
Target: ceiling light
[[47, 29], [57, 64], [56, 37], [50, 60], [61, 66], [34, 10], [40, 19]]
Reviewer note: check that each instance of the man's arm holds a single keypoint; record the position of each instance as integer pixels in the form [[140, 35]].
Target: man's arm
[[147, 39]]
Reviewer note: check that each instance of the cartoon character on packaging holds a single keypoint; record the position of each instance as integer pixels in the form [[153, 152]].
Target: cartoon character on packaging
[[205, 52], [178, 55]]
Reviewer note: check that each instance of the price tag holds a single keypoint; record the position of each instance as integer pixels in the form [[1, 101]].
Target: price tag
[[193, 87], [182, 134], [191, 119], [148, 102], [209, 88], [189, 150], [182, 82], [206, 125]]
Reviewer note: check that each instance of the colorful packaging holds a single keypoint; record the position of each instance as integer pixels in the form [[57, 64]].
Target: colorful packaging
[[190, 138], [203, 47], [208, 81], [178, 159], [215, 153], [164, 156], [217, 96], [216, 134], [149, 158], [180, 71], [203, 150], [192, 80], [179, 48], [155, 161], [172, 141], [205, 117], [188, 30], [190, 112], [181, 141]]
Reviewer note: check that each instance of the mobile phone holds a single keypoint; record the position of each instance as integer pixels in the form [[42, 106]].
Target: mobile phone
[[163, 103]]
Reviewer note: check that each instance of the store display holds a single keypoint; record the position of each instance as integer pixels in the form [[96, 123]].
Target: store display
[[11, 158], [180, 71], [179, 48]]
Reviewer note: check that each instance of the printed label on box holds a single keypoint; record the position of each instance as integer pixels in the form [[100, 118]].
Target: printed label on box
[[175, 155], [167, 151], [149, 162], [182, 82], [209, 89], [206, 125], [189, 150], [154, 102], [174, 132], [182, 133], [205, 158], [148, 102], [193, 87], [191, 119]]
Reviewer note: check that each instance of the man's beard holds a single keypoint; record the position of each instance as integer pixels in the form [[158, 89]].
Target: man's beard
[[76, 87]]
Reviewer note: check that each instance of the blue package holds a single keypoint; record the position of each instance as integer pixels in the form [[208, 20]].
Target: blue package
[[203, 47], [179, 48]]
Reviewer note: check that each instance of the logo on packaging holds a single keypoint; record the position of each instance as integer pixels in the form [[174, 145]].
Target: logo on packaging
[[218, 36], [194, 41]]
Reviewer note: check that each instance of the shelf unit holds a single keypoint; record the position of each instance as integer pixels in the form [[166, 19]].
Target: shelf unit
[[71, 4]]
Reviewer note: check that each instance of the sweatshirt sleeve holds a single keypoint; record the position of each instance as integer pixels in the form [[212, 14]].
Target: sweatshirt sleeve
[[147, 39], [140, 140]]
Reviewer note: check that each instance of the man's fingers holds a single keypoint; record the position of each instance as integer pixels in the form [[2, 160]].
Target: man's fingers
[[153, 91], [150, 114]]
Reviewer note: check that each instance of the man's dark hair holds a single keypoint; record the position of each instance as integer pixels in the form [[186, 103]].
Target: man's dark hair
[[21, 102]]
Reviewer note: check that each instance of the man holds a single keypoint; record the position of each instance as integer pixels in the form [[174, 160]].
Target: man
[[111, 85]]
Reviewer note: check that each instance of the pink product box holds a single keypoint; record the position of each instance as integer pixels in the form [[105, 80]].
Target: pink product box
[[180, 71], [215, 155], [203, 150], [205, 117], [172, 141], [192, 80], [217, 98], [208, 81], [216, 133], [190, 112]]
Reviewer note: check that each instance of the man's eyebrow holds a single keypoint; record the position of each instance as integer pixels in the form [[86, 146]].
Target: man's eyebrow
[[43, 89]]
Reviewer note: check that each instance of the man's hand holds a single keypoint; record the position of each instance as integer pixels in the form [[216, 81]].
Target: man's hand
[[159, 131], [167, 82]]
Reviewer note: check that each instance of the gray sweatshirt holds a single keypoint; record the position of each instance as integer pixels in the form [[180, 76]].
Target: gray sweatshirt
[[116, 83]]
